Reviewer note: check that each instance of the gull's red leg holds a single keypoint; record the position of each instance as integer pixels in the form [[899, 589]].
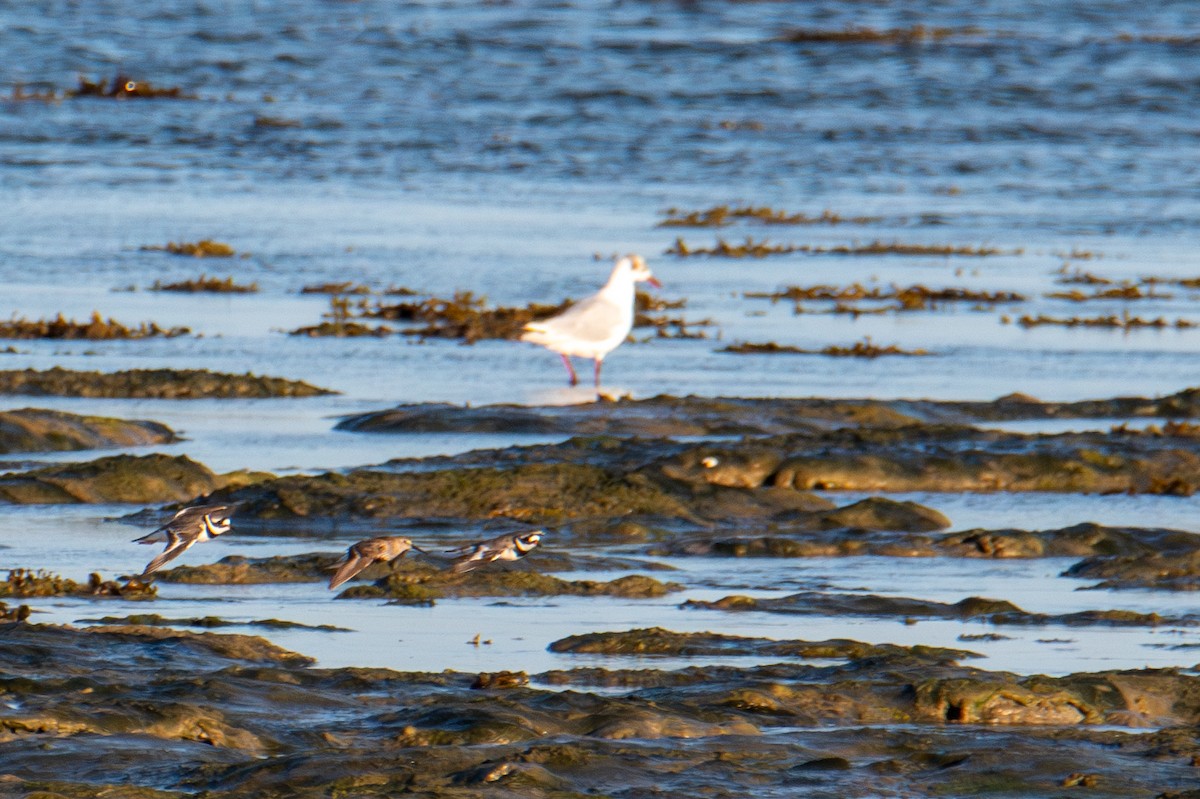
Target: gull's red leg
[[571, 371]]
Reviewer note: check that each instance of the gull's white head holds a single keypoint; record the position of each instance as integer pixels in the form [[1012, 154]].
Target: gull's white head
[[639, 271]]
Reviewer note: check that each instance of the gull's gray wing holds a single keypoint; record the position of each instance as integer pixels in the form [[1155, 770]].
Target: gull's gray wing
[[591, 319]]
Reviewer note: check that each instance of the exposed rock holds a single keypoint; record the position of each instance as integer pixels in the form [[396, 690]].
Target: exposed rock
[[430, 584], [992, 611], [657, 641], [121, 478], [151, 383], [676, 416], [236, 716], [38, 430], [538, 493]]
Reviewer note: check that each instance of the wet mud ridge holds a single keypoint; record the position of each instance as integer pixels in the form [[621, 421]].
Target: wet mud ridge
[[143, 711], [691, 416]]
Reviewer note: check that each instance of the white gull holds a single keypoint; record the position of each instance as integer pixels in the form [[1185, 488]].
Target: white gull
[[596, 325]]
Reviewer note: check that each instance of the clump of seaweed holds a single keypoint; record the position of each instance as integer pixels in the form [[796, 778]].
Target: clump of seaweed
[[336, 288], [276, 122], [464, 316], [205, 284], [1080, 277], [30, 583], [95, 329], [205, 248], [467, 316], [917, 34], [1126, 291], [16, 614], [723, 249], [1182, 282], [1169, 429], [20, 94], [722, 215], [762, 249], [339, 324], [1123, 322], [859, 349], [123, 88], [910, 298]]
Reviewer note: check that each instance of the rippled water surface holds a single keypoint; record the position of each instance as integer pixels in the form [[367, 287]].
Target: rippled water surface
[[502, 148]]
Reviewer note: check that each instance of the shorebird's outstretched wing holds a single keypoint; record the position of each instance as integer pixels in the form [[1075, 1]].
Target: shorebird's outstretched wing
[[176, 546]]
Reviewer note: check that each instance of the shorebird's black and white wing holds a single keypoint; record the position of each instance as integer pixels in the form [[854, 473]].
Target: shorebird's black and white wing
[[503, 547], [186, 527], [176, 546]]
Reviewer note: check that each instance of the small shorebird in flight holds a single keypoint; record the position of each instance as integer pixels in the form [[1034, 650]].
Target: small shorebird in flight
[[596, 325], [503, 547], [365, 553], [197, 523]]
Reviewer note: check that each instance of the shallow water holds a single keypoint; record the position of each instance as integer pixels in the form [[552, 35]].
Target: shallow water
[[499, 148]]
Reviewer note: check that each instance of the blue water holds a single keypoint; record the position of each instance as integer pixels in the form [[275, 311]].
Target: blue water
[[511, 149]]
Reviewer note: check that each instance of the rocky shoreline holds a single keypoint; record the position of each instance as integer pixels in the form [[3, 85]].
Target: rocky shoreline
[[137, 711]]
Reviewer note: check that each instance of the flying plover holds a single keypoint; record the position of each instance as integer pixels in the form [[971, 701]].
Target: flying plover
[[502, 547], [197, 523]]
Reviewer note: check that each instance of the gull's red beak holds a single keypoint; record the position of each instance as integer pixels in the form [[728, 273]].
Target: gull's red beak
[[653, 281]]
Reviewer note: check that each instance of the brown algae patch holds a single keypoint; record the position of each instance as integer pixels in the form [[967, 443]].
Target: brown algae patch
[[24, 583], [722, 215], [207, 285], [151, 384], [910, 298], [467, 317], [122, 87], [1123, 292], [761, 249], [204, 248], [859, 349], [95, 329], [1125, 321]]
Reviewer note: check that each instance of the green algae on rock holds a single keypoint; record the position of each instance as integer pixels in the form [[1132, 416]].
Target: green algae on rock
[[658, 641], [432, 584], [240, 570], [665, 415], [142, 479], [979, 609], [39, 430], [152, 384], [533, 492]]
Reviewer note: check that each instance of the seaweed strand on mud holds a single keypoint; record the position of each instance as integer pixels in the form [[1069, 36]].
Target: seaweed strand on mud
[[762, 249], [95, 329], [722, 215]]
